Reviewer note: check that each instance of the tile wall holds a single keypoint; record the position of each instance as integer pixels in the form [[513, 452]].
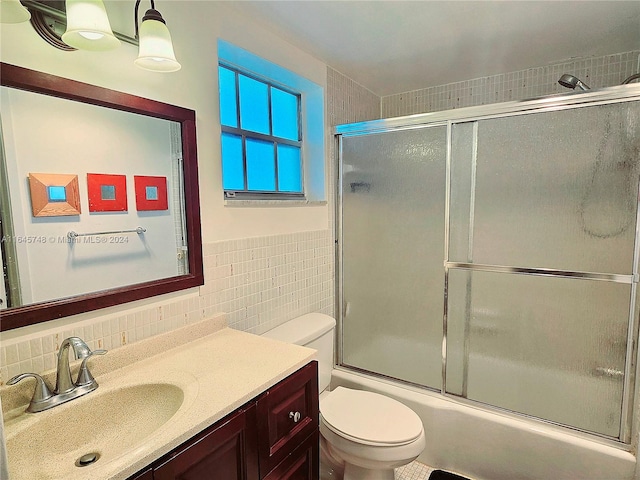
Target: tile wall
[[597, 72], [259, 282], [347, 102]]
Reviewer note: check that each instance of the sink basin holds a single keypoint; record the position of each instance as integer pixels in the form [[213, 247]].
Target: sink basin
[[108, 423]]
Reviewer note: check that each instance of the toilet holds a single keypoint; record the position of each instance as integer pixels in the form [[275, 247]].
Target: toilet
[[363, 435]]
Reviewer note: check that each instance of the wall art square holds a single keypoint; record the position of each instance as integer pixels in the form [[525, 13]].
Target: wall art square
[[107, 193], [151, 193], [54, 194]]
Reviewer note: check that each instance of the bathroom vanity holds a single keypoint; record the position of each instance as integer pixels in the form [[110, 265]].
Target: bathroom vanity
[[202, 398], [273, 436]]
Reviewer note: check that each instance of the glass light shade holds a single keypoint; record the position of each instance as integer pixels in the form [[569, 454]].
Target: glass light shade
[[156, 49], [12, 11], [88, 26]]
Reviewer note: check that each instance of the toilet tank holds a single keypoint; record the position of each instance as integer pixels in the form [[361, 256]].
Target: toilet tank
[[313, 330]]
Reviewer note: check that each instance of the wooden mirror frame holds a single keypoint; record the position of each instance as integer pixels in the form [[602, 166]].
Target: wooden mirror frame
[[46, 84]]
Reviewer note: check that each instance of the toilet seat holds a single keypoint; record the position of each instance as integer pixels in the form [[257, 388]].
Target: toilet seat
[[369, 418]]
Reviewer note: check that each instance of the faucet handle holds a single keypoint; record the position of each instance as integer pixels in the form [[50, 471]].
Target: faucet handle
[[84, 375], [40, 394]]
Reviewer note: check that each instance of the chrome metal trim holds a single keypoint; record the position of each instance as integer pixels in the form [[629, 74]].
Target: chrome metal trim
[[442, 123], [545, 272], [339, 254], [469, 283], [632, 327], [549, 102], [447, 236]]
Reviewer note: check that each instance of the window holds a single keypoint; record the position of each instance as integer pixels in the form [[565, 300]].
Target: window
[[261, 141], [272, 130]]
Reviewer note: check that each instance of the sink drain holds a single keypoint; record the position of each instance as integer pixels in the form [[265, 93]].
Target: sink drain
[[87, 459]]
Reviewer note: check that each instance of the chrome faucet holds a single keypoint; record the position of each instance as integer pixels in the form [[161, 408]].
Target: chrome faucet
[[64, 384], [66, 389]]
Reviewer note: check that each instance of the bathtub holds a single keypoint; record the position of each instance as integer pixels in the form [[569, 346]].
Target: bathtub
[[484, 445]]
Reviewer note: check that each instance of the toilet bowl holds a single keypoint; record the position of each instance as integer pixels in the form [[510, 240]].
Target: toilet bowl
[[364, 435], [368, 435]]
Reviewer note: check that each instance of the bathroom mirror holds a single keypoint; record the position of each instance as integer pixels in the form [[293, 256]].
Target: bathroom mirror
[[99, 200]]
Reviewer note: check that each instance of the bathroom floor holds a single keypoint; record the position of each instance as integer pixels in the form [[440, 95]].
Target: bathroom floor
[[413, 471]]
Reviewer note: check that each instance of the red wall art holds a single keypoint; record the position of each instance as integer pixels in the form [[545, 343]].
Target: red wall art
[[107, 193], [151, 193]]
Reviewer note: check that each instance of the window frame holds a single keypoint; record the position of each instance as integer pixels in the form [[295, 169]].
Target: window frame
[[245, 134]]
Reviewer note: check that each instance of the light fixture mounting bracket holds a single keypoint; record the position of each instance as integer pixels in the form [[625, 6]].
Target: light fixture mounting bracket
[[50, 23]]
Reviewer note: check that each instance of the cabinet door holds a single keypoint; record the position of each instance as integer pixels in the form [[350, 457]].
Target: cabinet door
[[288, 414], [303, 464], [224, 451]]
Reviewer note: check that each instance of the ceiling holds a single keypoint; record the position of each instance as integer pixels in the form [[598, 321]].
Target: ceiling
[[396, 46]]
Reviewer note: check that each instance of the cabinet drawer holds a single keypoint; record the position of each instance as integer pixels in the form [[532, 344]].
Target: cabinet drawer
[[303, 464], [288, 414]]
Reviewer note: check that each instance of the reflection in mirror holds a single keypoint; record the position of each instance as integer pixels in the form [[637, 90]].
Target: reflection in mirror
[[98, 207]]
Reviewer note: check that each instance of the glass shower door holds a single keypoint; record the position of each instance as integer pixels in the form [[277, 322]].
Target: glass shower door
[[542, 263], [392, 225]]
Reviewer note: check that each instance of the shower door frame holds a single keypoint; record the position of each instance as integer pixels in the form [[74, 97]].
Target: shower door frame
[[573, 100]]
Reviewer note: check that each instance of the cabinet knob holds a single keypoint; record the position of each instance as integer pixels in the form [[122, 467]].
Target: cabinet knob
[[295, 416]]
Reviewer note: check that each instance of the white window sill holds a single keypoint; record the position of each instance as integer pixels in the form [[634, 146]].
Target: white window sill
[[274, 203]]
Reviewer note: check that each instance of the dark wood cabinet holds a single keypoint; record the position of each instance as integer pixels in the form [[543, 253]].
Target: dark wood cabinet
[[288, 413], [224, 451], [273, 437]]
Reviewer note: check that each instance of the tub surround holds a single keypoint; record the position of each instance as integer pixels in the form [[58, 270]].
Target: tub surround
[[487, 445], [219, 369]]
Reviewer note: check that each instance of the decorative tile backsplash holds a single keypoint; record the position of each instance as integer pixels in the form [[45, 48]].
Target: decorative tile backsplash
[[258, 282], [597, 72]]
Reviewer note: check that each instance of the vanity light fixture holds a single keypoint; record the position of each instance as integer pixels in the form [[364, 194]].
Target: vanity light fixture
[[84, 25], [155, 47], [12, 11], [88, 26]]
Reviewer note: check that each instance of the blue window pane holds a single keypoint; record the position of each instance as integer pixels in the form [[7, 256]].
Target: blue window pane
[[284, 109], [261, 166], [56, 193], [289, 173], [254, 105], [228, 107], [232, 165]]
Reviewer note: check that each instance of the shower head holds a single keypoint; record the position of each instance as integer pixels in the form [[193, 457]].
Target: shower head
[[572, 82]]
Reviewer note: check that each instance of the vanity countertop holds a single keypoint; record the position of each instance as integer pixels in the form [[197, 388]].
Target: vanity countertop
[[217, 372]]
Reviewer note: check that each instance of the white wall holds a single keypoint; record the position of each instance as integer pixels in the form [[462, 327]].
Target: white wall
[[262, 265], [195, 27]]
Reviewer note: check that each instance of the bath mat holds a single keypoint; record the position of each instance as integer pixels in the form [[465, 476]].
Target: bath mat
[[442, 475]]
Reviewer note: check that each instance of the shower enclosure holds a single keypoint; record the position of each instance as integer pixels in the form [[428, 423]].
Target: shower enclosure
[[490, 255]]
